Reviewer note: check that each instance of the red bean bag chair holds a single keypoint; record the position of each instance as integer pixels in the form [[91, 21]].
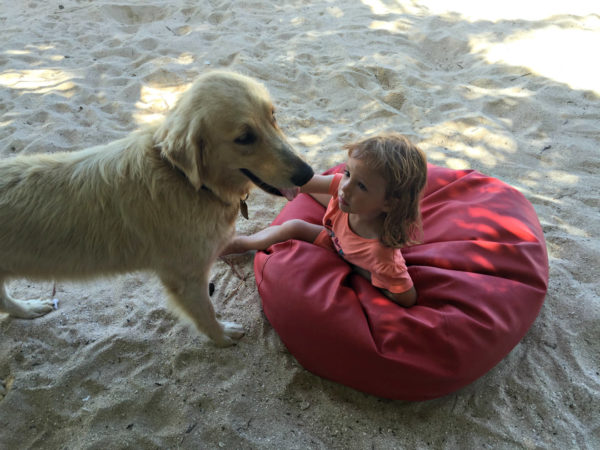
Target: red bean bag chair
[[481, 274]]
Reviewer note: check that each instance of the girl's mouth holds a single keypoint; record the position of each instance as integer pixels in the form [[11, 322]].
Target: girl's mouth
[[343, 202]]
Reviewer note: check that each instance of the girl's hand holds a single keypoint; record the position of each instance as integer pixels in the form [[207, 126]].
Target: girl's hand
[[318, 184], [406, 299], [290, 193]]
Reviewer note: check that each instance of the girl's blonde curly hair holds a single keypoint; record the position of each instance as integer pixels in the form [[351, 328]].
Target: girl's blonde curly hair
[[403, 165]]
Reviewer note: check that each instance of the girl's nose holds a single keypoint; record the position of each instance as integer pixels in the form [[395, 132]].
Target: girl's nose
[[344, 187]]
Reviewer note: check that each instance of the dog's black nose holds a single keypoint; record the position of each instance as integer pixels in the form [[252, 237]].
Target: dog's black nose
[[302, 175]]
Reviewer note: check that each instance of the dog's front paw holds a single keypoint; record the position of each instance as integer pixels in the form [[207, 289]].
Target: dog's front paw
[[29, 309], [231, 333], [233, 330]]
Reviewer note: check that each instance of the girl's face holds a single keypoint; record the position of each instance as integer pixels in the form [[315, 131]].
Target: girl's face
[[362, 190]]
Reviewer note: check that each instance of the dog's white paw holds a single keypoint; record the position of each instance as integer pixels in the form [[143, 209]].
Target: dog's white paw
[[231, 333], [233, 330], [29, 309]]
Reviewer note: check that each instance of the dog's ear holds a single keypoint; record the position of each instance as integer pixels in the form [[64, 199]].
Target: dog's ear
[[181, 143]]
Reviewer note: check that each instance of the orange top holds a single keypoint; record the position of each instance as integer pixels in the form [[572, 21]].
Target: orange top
[[385, 264]]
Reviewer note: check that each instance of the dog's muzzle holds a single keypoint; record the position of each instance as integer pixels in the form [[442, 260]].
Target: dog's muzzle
[[299, 178], [303, 175]]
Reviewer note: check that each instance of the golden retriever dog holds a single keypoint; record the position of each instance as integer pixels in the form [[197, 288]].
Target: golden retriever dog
[[163, 199]]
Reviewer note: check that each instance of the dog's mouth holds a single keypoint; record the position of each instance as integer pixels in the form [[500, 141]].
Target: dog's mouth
[[261, 184]]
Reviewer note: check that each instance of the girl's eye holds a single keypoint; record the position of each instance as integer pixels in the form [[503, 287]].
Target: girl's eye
[[362, 187], [346, 173]]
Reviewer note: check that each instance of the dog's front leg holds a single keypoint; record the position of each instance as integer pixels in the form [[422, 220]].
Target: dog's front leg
[[22, 309], [191, 296]]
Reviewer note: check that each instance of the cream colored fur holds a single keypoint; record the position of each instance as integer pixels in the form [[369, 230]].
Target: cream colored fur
[[163, 199]]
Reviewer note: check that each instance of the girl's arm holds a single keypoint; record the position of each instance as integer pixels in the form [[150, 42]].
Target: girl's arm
[[317, 187], [406, 299], [318, 184]]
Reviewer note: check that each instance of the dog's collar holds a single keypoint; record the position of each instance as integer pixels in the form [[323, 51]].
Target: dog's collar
[[243, 205]]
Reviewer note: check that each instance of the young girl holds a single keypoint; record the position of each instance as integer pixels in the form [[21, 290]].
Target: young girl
[[372, 211]]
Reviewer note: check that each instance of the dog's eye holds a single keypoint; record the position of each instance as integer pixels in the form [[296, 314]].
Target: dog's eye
[[248, 138]]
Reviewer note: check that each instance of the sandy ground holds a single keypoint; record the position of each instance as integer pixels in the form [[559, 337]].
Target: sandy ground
[[509, 89]]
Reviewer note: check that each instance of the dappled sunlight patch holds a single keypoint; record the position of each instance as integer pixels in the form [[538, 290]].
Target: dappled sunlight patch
[[498, 221], [310, 139], [17, 52], [38, 81], [154, 102], [514, 93], [510, 9], [481, 261], [479, 152], [311, 145], [394, 26], [456, 163], [482, 228], [468, 139], [335, 11], [378, 6], [565, 178], [28, 49], [185, 59], [561, 54], [434, 153]]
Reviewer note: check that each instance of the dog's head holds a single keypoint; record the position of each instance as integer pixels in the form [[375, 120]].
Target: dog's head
[[222, 133]]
